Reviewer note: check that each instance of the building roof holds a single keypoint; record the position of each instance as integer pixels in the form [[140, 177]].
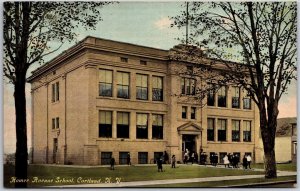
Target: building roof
[[91, 42], [284, 126], [102, 44]]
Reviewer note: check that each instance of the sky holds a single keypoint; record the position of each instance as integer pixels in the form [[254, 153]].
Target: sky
[[143, 23]]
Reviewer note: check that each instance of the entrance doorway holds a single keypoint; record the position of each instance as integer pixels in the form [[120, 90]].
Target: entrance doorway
[[188, 142]]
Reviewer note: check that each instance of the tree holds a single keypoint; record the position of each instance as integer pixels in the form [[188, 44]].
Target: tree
[[29, 27], [261, 36]]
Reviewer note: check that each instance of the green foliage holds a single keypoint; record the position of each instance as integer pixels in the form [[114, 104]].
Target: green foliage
[[29, 27]]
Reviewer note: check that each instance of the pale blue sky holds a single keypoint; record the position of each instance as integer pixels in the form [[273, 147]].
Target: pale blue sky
[[143, 23]]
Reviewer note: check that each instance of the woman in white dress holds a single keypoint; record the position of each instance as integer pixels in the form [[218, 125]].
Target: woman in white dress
[[226, 161]]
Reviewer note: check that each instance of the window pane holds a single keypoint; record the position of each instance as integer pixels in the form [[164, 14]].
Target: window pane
[[141, 119], [105, 158], [144, 81], [138, 80], [142, 157], [182, 86], [108, 76]]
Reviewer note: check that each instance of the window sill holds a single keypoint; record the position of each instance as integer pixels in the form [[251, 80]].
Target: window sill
[[130, 99], [227, 108], [220, 142], [128, 139], [55, 102]]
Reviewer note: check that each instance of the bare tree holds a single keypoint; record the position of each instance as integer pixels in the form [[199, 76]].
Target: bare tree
[[261, 36], [29, 27]]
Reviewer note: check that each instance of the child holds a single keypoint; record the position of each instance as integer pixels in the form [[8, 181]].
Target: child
[[173, 161]]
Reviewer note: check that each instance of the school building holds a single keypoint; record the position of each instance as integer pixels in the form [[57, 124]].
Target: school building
[[101, 98]]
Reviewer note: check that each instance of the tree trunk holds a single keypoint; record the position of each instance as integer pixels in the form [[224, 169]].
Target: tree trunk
[[21, 131], [270, 163], [268, 130]]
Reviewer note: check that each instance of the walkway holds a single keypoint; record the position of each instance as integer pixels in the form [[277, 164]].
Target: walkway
[[175, 181]]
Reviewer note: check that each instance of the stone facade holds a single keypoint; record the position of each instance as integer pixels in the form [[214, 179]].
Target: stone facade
[[66, 129]]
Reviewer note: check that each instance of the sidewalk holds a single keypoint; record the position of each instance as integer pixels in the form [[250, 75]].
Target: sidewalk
[[175, 181]]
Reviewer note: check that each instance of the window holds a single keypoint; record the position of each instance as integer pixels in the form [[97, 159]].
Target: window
[[210, 129], [222, 97], [143, 62], [157, 88], [211, 98], [141, 87], [294, 129], [122, 125], [55, 92], [246, 101], [105, 84], [247, 131], [124, 59], [188, 86], [182, 86], [235, 130], [142, 126], [235, 97], [105, 158], [142, 157], [183, 112], [157, 126], [222, 129], [123, 85], [105, 127], [193, 113], [55, 123], [123, 157]]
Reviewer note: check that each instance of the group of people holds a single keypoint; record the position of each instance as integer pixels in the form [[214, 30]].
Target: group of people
[[214, 159], [190, 157], [228, 159], [233, 160]]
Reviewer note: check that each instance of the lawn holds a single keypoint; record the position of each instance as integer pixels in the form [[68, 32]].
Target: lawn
[[125, 173], [226, 183], [283, 167]]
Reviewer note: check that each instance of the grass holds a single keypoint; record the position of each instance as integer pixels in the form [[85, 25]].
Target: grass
[[283, 167], [126, 173], [225, 183]]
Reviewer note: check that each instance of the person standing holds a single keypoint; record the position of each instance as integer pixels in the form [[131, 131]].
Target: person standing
[[196, 158], [173, 161], [112, 163], [186, 157], [216, 159], [128, 159], [159, 164], [249, 159], [193, 157], [226, 161], [245, 163]]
